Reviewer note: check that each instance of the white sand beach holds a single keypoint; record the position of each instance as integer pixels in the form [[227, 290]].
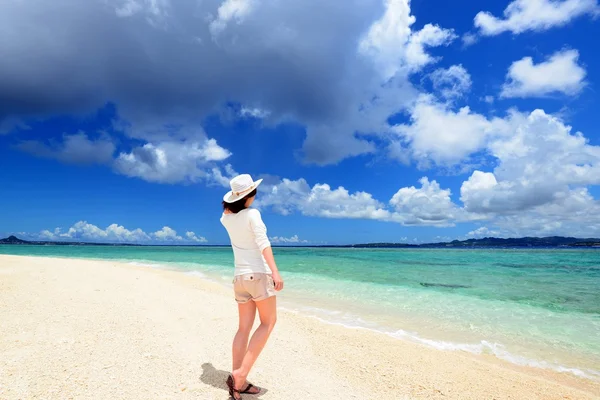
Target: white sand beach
[[80, 329]]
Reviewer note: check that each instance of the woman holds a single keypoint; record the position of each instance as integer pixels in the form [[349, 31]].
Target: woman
[[255, 282]]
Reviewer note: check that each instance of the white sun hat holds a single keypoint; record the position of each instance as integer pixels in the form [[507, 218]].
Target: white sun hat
[[241, 185]]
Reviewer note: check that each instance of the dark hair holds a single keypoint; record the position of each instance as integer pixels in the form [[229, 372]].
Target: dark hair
[[239, 205]]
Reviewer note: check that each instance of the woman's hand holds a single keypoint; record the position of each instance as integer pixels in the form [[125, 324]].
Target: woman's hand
[[278, 280]]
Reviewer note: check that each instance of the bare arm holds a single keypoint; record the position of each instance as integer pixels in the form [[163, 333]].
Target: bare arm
[[262, 241], [270, 259]]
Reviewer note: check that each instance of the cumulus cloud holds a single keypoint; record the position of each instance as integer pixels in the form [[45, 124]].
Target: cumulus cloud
[[85, 231], [167, 234], [539, 182], [559, 74], [394, 47], [441, 136], [469, 39], [428, 205], [171, 162], [222, 177], [451, 83], [287, 240], [170, 64], [534, 15], [320, 200], [192, 236], [481, 232], [74, 149], [538, 160], [429, 36], [537, 165], [47, 235], [572, 213], [230, 10]]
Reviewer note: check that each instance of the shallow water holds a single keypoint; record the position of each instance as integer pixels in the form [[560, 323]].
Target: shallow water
[[537, 307]]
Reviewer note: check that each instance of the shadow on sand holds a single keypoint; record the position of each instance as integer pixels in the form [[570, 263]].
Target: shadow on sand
[[217, 378]]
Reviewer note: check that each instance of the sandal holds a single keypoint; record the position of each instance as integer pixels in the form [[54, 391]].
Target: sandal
[[232, 389], [249, 390]]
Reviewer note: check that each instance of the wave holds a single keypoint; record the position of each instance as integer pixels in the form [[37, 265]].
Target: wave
[[353, 321], [197, 274], [483, 347], [147, 264]]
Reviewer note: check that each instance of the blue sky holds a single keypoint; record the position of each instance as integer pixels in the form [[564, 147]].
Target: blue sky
[[370, 120]]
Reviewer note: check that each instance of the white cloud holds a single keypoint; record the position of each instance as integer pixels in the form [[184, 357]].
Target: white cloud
[[338, 70], [74, 149], [216, 176], [538, 185], [439, 135], [230, 10], [255, 112], [395, 52], [47, 235], [128, 8], [488, 99], [388, 36], [542, 168], [192, 236], [122, 234], [155, 11], [482, 232], [429, 36], [171, 162], [427, 205], [291, 240], [397, 152], [394, 47], [537, 165], [559, 74], [534, 15], [451, 83], [572, 213], [321, 201], [167, 234], [469, 39], [85, 231]]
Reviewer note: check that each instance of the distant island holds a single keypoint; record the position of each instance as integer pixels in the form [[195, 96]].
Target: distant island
[[16, 241], [551, 241]]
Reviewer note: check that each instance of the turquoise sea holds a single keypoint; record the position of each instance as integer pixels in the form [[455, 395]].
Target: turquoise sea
[[537, 307]]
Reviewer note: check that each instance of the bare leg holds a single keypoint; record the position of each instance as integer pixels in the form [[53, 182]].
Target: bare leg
[[267, 310], [247, 312]]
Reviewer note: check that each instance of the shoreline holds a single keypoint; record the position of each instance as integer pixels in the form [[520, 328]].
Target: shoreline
[[337, 314], [577, 244], [91, 311]]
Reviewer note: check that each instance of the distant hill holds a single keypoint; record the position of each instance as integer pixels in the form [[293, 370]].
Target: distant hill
[[13, 240], [16, 241], [552, 241]]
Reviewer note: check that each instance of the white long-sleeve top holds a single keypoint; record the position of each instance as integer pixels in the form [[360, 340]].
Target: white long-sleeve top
[[248, 235]]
